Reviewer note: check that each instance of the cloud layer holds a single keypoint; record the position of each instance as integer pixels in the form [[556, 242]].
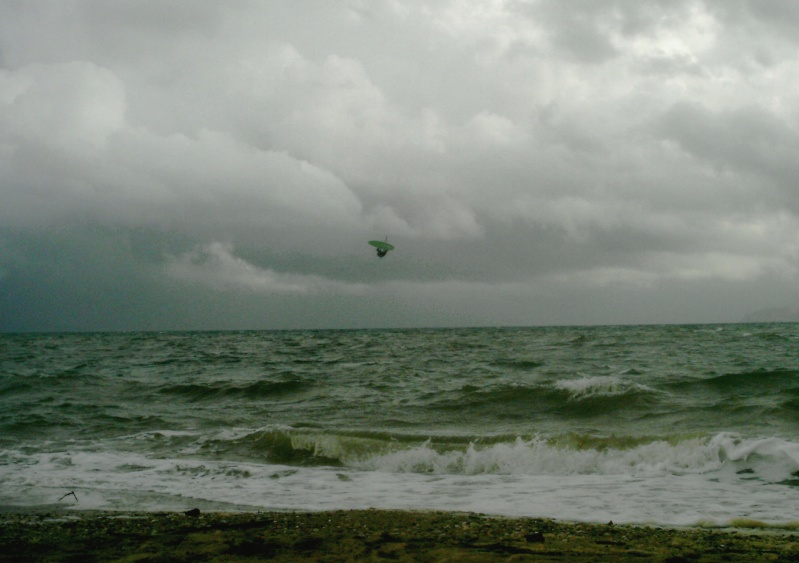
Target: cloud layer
[[206, 165]]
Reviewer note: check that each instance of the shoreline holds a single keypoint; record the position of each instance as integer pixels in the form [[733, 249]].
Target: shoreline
[[49, 534]]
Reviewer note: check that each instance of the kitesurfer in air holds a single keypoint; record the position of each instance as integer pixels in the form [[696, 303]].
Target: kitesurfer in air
[[382, 247]]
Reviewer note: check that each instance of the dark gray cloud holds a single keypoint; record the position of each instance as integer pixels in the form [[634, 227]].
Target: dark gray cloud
[[206, 165]]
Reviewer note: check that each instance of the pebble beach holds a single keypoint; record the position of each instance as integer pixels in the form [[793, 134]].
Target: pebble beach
[[369, 535]]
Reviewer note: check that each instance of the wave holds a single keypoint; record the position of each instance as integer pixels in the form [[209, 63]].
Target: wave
[[769, 459], [538, 456], [586, 396], [517, 364], [13, 386], [256, 390], [756, 381], [586, 387]]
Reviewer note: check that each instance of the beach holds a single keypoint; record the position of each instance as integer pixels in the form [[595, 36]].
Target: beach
[[369, 535]]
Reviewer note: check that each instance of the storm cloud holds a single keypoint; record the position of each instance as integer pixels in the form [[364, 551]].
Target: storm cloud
[[206, 165]]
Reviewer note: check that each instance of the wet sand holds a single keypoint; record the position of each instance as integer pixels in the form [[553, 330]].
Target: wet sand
[[368, 535]]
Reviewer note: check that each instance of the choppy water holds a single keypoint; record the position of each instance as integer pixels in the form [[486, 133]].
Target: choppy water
[[659, 424]]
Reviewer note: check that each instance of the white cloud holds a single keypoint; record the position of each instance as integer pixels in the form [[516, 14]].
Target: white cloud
[[69, 154], [216, 266], [68, 107]]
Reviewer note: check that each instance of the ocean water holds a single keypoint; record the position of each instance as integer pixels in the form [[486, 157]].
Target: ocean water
[[674, 425]]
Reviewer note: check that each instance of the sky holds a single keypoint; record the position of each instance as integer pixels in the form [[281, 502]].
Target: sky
[[205, 165]]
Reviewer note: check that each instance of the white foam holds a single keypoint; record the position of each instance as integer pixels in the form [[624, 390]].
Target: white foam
[[538, 457], [657, 483], [592, 386], [134, 482], [772, 459]]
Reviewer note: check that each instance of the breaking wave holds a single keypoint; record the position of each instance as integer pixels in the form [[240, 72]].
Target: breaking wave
[[770, 459]]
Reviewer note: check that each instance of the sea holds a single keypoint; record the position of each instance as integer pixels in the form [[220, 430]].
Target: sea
[[660, 425]]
